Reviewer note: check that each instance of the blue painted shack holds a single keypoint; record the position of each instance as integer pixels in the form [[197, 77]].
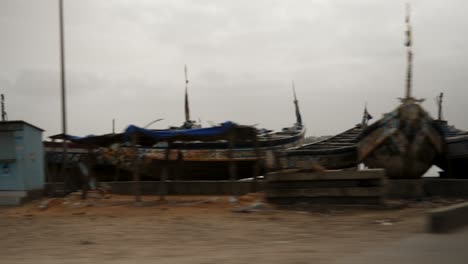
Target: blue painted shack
[[21, 162]]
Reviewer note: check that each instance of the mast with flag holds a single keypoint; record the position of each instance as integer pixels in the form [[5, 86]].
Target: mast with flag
[[366, 116], [296, 105]]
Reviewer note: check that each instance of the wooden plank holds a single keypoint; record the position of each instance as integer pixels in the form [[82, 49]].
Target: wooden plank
[[326, 175], [327, 192]]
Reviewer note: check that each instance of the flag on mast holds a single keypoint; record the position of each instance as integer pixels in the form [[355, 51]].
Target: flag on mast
[[366, 116]]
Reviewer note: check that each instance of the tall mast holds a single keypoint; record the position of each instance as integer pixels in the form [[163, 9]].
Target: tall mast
[[187, 109], [439, 105], [296, 105], [408, 44], [4, 114]]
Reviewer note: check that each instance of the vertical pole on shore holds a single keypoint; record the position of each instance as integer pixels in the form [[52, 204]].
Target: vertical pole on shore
[[180, 165], [164, 173], [63, 93], [53, 175], [232, 164], [113, 126], [136, 169], [86, 178], [256, 170], [117, 172]]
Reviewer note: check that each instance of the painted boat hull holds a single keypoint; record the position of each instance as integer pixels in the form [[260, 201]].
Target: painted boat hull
[[205, 160], [337, 152], [405, 142]]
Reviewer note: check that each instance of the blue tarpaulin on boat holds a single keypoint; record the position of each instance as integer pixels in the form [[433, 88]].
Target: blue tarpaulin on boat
[[168, 134], [150, 137]]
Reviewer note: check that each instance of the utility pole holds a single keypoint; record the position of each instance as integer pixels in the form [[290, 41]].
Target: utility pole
[[63, 92]]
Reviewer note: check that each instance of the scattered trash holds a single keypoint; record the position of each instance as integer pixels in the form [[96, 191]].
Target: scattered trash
[[211, 200], [233, 200], [255, 207], [384, 222], [47, 203], [252, 197]]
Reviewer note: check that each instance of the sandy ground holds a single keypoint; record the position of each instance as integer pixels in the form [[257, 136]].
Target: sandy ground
[[193, 229]]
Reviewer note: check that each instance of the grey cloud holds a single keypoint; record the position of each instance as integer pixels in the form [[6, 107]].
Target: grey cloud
[[125, 60]]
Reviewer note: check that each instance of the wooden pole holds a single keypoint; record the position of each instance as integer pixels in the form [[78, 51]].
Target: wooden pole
[[86, 178], [180, 165], [117, 172], [164, 173], [256, 170], [232, 164], [53, 175], [136, 169]]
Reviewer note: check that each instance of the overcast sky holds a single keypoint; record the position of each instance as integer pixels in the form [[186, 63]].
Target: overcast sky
[[125, 60]]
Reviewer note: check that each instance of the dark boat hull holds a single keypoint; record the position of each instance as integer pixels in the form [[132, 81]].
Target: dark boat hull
[[454, 162], [206, 160], [337, 152]]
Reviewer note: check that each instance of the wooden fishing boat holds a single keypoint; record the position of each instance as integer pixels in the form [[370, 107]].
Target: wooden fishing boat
[[208, 160], [407, 141], [198, 160], [337, 152], [455, 159]]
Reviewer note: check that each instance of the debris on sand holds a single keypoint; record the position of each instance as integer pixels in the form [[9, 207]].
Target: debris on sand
[[255, 207], [384, 222], [252, 197], [48, 203]]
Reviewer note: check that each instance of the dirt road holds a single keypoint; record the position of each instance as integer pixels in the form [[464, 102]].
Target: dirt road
[[195, 230]]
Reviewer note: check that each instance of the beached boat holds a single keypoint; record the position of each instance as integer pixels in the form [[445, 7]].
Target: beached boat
[[193, 159], [332, 153], [337, 152], [455, 159], [208, 160], [407, 141]]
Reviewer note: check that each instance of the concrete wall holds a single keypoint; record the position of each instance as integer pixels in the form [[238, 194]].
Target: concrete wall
[[395, 189], [180, 187], [409, 189]]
